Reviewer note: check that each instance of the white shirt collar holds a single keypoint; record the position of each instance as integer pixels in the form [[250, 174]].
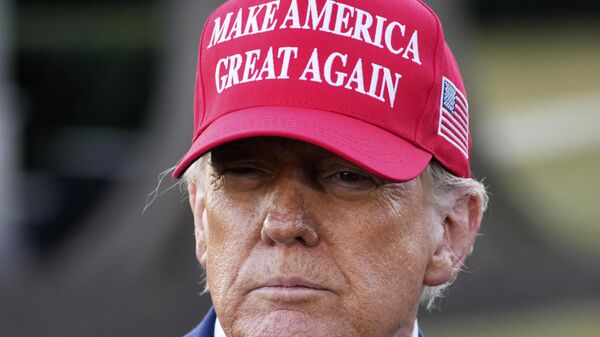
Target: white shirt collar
[[220, 333], [218, 329], [416, 329]]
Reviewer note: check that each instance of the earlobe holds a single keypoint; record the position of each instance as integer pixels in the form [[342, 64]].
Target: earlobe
[[460, 226], [440, 267]]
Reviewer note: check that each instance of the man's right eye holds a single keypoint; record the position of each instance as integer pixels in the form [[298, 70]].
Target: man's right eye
[[243, 175], [241, 170]]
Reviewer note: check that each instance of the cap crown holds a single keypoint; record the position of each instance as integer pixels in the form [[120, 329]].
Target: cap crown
[[382, 62]]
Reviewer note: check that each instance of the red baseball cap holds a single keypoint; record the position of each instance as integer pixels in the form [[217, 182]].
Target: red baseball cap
[[371, 81]]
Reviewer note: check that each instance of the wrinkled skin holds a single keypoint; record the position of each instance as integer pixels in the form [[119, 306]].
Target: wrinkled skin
[[299, 242]]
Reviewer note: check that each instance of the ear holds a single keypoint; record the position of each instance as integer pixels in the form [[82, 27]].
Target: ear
[[196, 197], [460, 225]]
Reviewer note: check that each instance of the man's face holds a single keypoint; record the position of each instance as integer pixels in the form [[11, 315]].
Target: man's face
[[299, 242]]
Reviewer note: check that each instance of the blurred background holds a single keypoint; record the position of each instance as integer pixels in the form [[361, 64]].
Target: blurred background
[[96, 101]]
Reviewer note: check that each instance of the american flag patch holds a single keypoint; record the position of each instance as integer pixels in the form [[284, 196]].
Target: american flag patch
[[454, 117]]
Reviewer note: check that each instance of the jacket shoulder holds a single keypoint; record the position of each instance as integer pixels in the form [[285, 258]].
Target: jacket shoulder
[[206, 328]]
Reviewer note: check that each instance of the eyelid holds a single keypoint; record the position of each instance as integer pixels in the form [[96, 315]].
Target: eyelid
[[243, 164], [337, 168], [346, 170], [366, 181]]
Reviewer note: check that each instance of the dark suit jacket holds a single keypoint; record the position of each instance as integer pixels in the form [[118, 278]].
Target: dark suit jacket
[[207, 326]]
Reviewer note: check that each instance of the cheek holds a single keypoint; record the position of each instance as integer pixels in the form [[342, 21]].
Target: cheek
[[383, 254], [233, 230]]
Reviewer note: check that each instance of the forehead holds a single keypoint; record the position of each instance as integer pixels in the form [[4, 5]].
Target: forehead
[[268, 146]]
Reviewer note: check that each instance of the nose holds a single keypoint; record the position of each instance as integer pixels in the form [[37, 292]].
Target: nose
[[288, 220]]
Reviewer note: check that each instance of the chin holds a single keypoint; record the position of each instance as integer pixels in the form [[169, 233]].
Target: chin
[[290, 323]]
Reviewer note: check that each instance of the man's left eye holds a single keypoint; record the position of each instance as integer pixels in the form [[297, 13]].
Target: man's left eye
[[351, 180], [351, 176]]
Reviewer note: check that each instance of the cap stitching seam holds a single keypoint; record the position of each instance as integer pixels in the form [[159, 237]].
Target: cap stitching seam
[[435, 61], [200, 58]]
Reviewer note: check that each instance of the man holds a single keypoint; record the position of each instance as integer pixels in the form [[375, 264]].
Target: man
[[329, 173]]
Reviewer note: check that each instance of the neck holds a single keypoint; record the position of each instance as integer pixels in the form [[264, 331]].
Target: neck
[[407, 332]]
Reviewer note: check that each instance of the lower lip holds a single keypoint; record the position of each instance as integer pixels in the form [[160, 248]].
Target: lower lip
[[290, 294]]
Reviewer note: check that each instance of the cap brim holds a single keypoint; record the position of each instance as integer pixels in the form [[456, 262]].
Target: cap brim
[[365, 145]]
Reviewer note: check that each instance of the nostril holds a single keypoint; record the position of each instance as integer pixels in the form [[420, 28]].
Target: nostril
[[301, 239]]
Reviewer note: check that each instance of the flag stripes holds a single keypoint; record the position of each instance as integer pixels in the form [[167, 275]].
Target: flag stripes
[[454, 117]]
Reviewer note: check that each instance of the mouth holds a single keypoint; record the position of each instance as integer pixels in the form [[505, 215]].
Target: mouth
[[293, 282], [289, 290]]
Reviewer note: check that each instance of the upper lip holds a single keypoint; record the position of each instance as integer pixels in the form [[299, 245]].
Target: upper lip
[[291, 282]]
